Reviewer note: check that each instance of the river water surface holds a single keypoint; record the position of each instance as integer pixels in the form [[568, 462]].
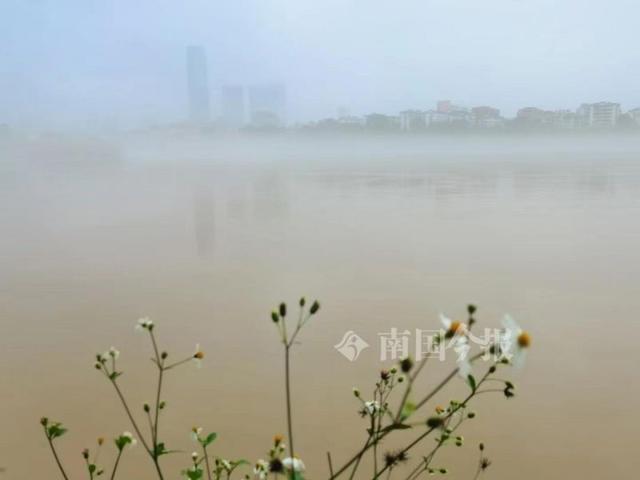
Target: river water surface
[[207, 237]]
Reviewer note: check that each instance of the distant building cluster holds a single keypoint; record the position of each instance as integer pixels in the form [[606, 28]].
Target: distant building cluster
[[257, 106], [263, 107], [450, 117]]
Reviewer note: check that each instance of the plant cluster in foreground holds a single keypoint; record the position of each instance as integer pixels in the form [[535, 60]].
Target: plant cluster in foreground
[[395, 404]]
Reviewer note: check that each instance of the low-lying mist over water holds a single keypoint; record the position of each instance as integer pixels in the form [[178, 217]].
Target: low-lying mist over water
[[199, 162], [205, 236]]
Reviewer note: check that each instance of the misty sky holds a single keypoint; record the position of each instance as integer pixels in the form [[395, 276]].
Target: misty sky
[[121, 62]]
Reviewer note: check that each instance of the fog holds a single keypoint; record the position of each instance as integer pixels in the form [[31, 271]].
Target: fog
[[95, 65], [199, 161]]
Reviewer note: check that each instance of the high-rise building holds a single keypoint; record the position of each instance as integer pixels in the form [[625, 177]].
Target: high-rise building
[[267, 105], [599, 115], [198, 85], [232, 106]]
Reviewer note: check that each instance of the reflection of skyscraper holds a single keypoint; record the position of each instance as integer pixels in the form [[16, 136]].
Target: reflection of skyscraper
[[267, 105], [233, 106], [198, 84]]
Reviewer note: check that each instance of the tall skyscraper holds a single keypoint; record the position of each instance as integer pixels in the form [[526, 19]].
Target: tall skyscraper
[[198, 85], [267, 105], [233, 106]]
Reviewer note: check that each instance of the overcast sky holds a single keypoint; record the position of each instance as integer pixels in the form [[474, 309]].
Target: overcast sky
[[76, 62]]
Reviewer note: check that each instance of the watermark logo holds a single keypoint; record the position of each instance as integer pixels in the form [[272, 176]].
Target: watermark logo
[[351, 346]]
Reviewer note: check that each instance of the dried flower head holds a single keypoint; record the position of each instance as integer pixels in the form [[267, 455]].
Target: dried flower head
[[198, 355], [406, 364], [276, 466]]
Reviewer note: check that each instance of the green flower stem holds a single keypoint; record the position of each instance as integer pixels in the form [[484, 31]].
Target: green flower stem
[[425, 434], [115, 465], [128, 412], [160, 364], [368, 444], [206, 461], [55, 455], [287, 371]]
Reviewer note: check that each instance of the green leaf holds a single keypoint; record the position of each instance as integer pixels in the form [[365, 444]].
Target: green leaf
[[193, 473], [472, 382], [56, 430], [210, 438], [395, 426], [407, 409], [159, 449]]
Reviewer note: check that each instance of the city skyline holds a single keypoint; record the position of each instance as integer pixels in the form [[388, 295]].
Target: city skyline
[[128, 70]]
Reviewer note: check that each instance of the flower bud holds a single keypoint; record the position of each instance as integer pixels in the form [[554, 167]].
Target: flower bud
[[100, 440], [434, 422], [356, 392], [314, 307], [406, 364], [146, 407], [492, 369], [275, 317], [162, 405], [44, 421], [283, 309], [85, 453], [164, 355], [302, 301], [481, 446], [471, 309]]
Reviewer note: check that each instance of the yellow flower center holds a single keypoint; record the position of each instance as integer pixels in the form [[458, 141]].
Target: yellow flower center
[[455, 328], [524, 340]]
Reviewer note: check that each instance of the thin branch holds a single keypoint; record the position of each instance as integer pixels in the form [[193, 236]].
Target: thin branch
[[55, 455], [115, 466]]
